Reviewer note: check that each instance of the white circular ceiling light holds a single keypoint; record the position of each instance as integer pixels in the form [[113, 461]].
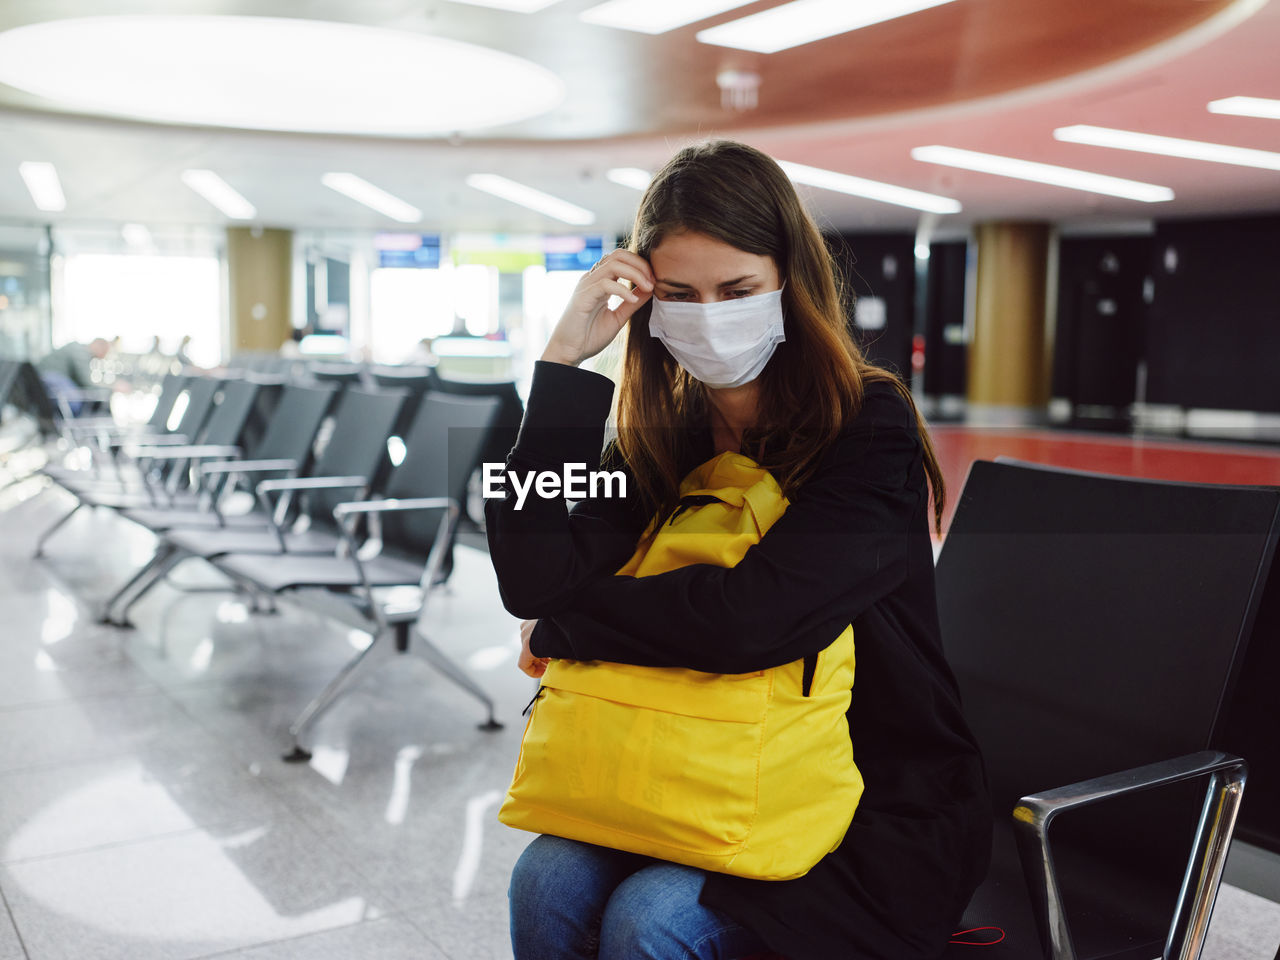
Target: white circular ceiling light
[[267, 73]]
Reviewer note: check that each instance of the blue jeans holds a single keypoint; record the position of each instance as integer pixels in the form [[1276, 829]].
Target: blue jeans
[[575, 901]]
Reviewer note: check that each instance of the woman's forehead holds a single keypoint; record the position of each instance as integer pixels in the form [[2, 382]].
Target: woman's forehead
[[690, 257]]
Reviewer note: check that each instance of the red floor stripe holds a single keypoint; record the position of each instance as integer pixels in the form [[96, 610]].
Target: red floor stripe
[[1197, 462]]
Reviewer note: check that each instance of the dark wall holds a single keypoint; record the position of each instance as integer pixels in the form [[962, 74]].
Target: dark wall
[[945, 372], [880, 266], [1100, 332], [1213, 335]]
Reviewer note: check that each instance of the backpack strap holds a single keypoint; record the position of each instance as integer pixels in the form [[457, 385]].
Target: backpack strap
[[692, 500], [810, 668]]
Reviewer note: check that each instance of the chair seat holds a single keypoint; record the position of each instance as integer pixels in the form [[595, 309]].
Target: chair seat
[[158, 519], [1103, 915], [213, 543], [285, 571]]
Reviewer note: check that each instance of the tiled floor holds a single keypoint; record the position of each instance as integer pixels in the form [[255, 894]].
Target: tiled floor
[[145, 811]]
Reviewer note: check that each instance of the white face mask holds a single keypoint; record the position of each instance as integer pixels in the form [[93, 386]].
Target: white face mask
[[724, 344]]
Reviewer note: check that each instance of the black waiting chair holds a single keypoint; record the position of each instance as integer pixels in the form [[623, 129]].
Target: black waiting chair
[[417, 520], [284, 449], [1096, 626], [302, 516], [215, 413], [506, 423]]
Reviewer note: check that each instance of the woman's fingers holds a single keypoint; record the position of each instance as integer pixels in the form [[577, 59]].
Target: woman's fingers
[[580, 333], [527, 662]]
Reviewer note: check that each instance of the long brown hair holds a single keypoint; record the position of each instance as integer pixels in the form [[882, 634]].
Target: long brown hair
[[812, 386]]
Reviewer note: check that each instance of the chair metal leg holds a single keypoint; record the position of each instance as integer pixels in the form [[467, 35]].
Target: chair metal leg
[[444, 663], [378, 650], [163, 552], [1208, 860], [156, 570], [40, 542]]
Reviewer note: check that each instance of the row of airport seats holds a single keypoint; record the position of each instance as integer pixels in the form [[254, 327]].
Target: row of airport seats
[[506, 422], [355, 490]]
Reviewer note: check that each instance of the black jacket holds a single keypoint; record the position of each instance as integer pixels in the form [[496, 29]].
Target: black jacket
[[853, 547]]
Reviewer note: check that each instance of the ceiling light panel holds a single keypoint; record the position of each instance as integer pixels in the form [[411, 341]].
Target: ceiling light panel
[[137, 236], [43, 184], [375, 198], [1168, 146], [1247, 107], [309, 76], [804, 21], [632, 177], [219, 193], [869, 189], [527, 196], [1043, 173], [656, 16], [515, 6]]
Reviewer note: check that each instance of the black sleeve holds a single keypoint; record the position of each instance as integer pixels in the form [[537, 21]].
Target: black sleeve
[[543, 552], [841, 546]]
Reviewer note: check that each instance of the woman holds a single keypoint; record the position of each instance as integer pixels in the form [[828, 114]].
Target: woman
[[777, 377]]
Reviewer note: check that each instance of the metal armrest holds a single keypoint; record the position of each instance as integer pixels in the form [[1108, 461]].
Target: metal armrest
[[312, 483], [435, 557], [191, 452], [247, 466], [1033, 815], [160, 440], [343, 510], [288, 486]]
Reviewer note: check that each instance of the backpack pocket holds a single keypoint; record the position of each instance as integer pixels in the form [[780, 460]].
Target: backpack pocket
[[664, 761]]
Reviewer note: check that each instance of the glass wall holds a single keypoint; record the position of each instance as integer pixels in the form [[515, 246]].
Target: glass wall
[[151, 291], [24, 292]]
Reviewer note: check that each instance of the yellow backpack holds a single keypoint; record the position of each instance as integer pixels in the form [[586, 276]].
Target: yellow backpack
[[748, 774]]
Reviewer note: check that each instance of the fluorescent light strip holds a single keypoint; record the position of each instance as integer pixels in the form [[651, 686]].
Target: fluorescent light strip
[[869, 189], [43, 184], [527, 196], [804, 21], [1247, 107], [138, 236], [1168, 146], [219, 193], [515, 6], [375, 198], [632, 177], [1043, 173], [656, 16]]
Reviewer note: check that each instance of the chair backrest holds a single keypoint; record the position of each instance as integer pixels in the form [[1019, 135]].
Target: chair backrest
[[200, 393], [30, 394], [294, 422], [348, 373], [506, 424], [440, 454], [1094, 624], [232, 405], [170, 388], [415, 381], [356, 447]]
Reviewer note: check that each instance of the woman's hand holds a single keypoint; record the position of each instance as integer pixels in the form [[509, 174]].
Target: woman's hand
[[528, 663], [588, 325]]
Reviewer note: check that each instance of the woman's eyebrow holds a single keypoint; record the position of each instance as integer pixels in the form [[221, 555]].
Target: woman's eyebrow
[[725, 283]]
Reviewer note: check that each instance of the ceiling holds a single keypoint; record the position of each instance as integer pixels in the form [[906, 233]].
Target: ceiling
[[991, 75]]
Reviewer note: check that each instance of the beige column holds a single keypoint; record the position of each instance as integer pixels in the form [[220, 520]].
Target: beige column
[[259, 268], [1010, 344]]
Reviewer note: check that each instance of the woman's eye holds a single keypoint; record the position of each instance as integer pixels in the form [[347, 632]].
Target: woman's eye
[[739, 293], [675, 296]]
